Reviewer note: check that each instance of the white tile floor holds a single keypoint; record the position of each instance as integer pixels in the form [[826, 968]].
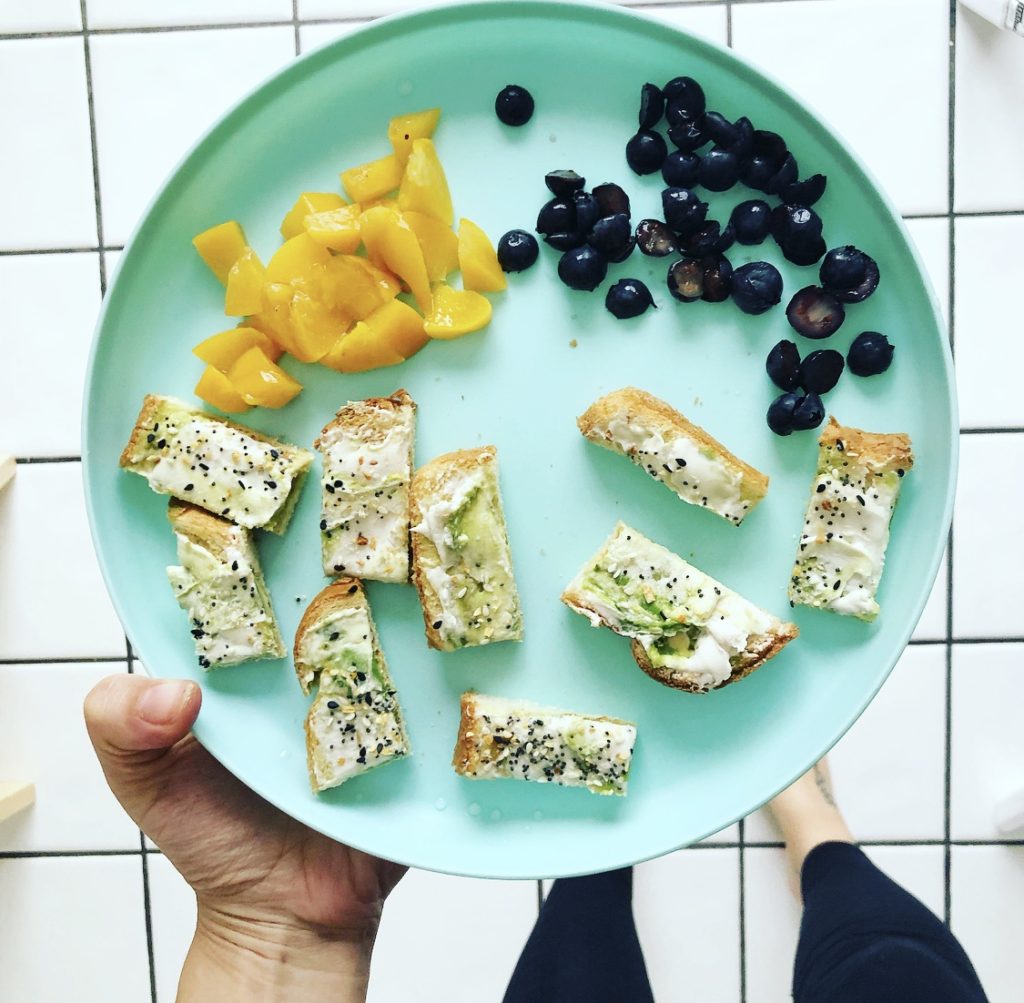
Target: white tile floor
[[71, 867]]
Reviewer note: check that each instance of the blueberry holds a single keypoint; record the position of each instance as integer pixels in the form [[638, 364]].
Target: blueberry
[[678, 114], [646, 152], [820, 370], [517, 250], [758, 172], [610, 234], [805, 192], [514, 105], [780, 413], [870, 354], [719, 169], [804, 248], [582, 268], [785, 175], [727, 239], [808, 413], [556, 216], [717, 279], [789, 221], [652, 106], [588, 211], [783, 365], [688, 136], [751, 220], [703, 242], [719, 129], [770, 144], [849, 274], [683, 210], [687, 94], [611, 198], [686, 279], [655, 239], [756, 287], [562, 184], [743, 144], [628, 298], [625, 252], [564, 241], [815, 313], [681, 169]]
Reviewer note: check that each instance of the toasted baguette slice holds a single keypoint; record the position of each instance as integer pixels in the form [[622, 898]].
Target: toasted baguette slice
[[461, 560], [367, 461], [676, 452], [501, 738], [846, 528], [211, 462], [355, 722], [689, 631], [220, 585]]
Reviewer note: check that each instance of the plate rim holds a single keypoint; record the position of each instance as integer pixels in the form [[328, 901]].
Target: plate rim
[[381, 30]]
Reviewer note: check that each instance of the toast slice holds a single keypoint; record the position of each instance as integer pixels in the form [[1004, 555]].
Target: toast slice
[[214, 463], [501, 738], [689, 631], [673, 450], [367, 465], [461, 559], [846, 528], [355, 722], [220, 585]]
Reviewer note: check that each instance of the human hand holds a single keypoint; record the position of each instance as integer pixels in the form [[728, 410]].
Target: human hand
[[282, 910]]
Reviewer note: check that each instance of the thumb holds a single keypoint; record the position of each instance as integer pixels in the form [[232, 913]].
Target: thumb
[[133, 722]]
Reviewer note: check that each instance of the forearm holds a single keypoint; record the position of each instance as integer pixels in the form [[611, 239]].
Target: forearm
[[266, 963]]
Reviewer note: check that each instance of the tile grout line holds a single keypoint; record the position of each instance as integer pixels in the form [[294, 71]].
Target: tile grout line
[[84, 660], [87, 51], [29, 251], [295, 27], [742, 865], [728, 23], [148, 914]]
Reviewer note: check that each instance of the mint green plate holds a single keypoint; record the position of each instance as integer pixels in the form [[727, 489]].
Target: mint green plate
[[701, 761]]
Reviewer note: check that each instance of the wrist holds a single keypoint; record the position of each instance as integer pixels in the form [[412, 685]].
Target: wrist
[[262, 958]]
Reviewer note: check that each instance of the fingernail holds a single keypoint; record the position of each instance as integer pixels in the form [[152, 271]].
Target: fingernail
[[160, 704]]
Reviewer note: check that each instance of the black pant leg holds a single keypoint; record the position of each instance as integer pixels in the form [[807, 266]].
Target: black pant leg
[[864, 939], [584, 946]]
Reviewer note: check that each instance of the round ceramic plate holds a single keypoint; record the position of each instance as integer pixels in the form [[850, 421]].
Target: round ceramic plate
[[701, 761]]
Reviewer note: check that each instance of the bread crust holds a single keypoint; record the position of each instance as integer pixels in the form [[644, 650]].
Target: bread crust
[[631, 402], [427, 483], [879, 452], [466, 757], [341, 594], [212, 532], [374, 414]]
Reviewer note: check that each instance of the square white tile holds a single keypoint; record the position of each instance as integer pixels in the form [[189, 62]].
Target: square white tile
[[156, 94], [932, 625], [706, 21], [987, 885], [41, 15], [888, 770], [41, 414], [74, 929], [50, 164], [989, 139], [47, 558], [931, 238], [312, 36], [172, 907], [426, 941], [773, 914], [905, 45], [150, 13], [986, 558], [989, 352], [74, 808], [686, 907], [987, 740]]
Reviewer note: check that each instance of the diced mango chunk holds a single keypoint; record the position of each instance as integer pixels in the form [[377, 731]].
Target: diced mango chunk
[[261, 381], [478, 260], [438, 243], [400, 327], [220, 247], [300, 258], [306, 203], [216, 389], [373, 180], [456, 312], [315, 327], [403, 130], [244, 294], [424, 185], [353, 286], [336, 229], [274, 319], [221, 350], [361, 349], [390, 241]]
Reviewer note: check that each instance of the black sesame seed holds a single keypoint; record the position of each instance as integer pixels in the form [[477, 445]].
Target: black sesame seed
[[189, 487], [437, 624]]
